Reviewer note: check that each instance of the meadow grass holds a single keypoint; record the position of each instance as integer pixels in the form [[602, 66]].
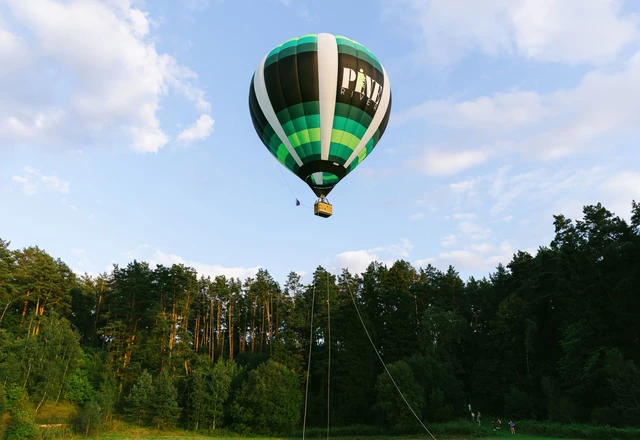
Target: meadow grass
[[458, 430], [176, 436]]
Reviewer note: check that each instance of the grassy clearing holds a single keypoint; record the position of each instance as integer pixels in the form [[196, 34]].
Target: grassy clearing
[[458, 430], [129, 432], [176, 436]]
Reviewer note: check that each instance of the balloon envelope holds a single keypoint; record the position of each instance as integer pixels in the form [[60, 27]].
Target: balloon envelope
[[320, 104]]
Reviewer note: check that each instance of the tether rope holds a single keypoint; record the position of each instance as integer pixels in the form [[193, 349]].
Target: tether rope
[[294, 194], [329, 345], [306, 394], [383, 364]]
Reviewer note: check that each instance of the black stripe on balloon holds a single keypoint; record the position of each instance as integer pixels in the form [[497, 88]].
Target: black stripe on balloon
[[292, 80], [317, 166], [308, 82], [308, 169], [320, 190], [288, 72], [257, 115]]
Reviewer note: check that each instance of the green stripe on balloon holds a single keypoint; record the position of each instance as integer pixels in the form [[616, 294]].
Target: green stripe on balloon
[[308, 43], [329, 179]]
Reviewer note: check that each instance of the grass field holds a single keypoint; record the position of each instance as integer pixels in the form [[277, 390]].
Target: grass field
[[455, 430], [125, 432], [195, 437]]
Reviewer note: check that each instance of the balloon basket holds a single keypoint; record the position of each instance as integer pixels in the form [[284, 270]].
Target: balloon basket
[[322, 208]]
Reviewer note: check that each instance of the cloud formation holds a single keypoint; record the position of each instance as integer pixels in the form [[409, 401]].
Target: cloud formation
[[32, 182], [200, 129], [570, 31], [357, 261], [541, 125], [203, 269], [78, 71]]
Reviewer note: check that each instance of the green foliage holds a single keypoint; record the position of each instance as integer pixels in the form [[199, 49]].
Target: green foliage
[[48, 357], [166, 410], [140, 401], [223, 374], [623, 377], [551, 337], [390, 404], [88, 418], [78, 387], [269, 400], [517, 404], [209, 392], [22, 425], [196, 406], [3, 401], [15, 394]]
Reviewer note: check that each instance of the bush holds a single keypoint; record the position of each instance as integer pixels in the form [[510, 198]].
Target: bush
[[23, 425], [88, 418], [390, 404], [269, 400], [3, 401]]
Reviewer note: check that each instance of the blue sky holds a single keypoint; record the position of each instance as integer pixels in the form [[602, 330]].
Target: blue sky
[[125, 131]]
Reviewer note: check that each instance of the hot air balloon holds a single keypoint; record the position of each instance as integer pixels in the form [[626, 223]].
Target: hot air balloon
[[320, 103]]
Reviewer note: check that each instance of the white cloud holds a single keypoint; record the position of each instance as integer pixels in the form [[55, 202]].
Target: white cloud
[[463, 186], [479, 257], [568, 31], [504, 111], [448, 240], [401, 249], [416, 216], [444, 163], [200, 129], [621, 189], [84, 71], [473, 230], [34, 182], [358, 261], [530, 197], [543, 192], [203, 269], [547, 126]]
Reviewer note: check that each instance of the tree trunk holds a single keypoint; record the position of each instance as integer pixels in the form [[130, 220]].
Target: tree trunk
[[230, 326], [253, 328]]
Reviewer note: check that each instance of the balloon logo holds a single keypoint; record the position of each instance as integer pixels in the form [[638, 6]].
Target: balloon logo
[[320, 103]]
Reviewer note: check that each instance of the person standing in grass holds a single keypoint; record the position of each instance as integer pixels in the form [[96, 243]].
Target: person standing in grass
[[479, 418], [512, 426]]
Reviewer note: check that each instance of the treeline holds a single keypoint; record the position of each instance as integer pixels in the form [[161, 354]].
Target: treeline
[[552, 337]]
